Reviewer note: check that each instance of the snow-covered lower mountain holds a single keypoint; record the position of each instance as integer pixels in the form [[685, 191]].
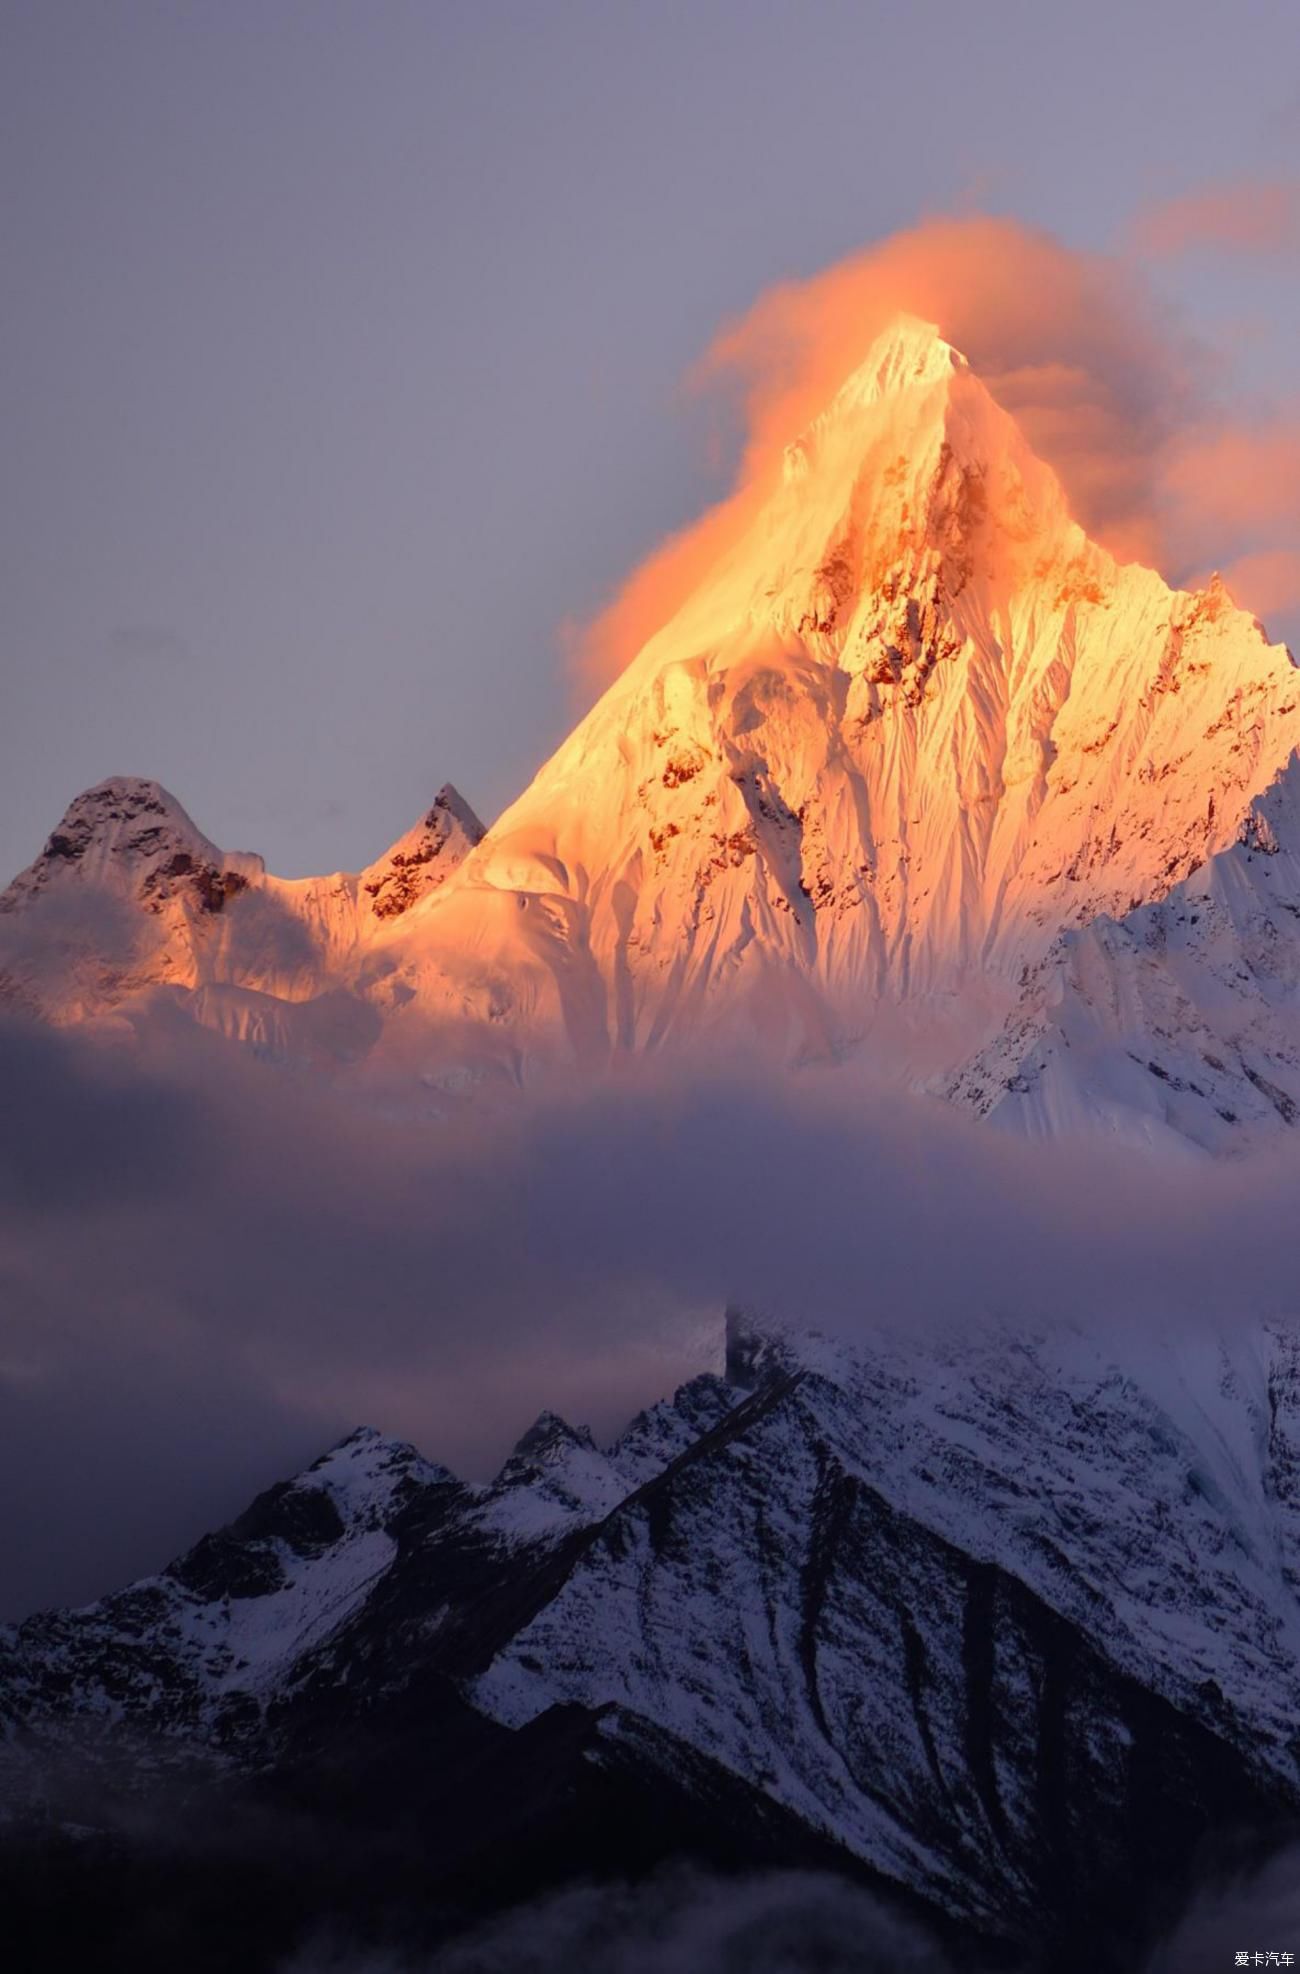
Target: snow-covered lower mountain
[[918, 772], [1183, 1016], [1005, 1625]]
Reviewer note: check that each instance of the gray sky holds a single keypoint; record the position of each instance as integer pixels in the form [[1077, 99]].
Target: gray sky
[[343, 343]]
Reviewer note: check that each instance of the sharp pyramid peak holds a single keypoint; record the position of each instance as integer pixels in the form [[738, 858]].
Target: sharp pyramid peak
[[422, 859], [906, 374], [449, 811], [450, 799], [909, 351], [908, 354]]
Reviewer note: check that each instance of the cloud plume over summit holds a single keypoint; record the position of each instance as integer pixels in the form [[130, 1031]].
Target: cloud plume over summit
[[1109, 384]]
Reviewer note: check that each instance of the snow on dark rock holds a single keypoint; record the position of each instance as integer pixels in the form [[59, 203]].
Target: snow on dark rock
[[1010, 1619]]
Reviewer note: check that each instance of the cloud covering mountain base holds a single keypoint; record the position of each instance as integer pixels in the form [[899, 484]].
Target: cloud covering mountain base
[[212, 1269]]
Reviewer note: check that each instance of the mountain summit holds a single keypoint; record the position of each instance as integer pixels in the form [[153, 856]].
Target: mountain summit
[[912, 725], [911, 732], [908, 741]]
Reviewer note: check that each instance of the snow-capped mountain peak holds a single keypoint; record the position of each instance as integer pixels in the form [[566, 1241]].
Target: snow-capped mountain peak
[[909, 352], [423, 858], [130, 836], [908, 741], [912, 727]]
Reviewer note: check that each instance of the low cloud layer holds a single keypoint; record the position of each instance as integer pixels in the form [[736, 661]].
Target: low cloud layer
[[692, 1922], [1250, 1910], [209, 1269], [685, 1922]]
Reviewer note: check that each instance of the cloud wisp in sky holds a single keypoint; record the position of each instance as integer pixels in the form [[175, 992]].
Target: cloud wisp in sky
[[1248, 217]]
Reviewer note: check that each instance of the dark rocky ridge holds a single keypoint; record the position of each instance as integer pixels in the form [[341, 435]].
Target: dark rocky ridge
[[381, 1695]]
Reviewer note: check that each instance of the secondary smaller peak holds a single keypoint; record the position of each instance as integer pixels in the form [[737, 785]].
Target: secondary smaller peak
[[127, 808], [756, 1351], [451, 802], [130, 835], [424, 858], [548, 1443]]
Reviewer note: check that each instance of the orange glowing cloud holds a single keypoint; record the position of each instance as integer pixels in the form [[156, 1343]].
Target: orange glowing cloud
[[1234, 496], [1267, 582], [1057, 335], [1253, 216], [1236, 477], [1074, 345]]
